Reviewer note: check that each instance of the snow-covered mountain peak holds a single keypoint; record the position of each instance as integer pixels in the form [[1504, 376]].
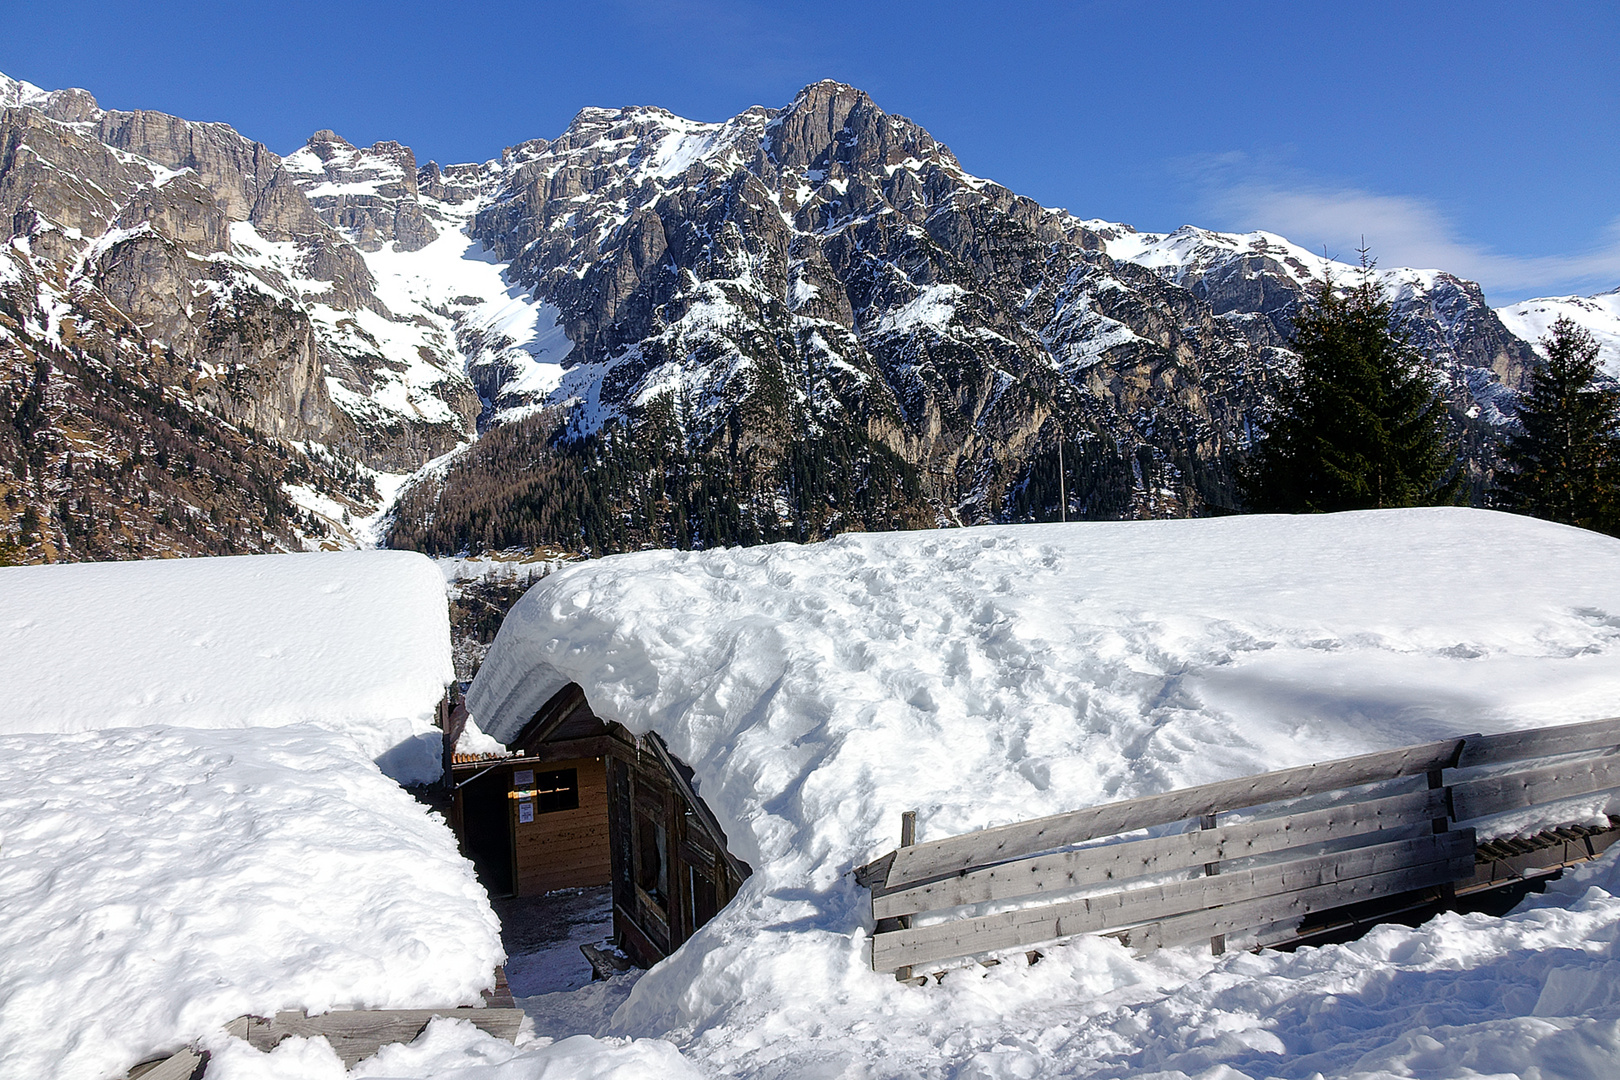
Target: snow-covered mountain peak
[[1598, 315], [70, 106], [16, 92]]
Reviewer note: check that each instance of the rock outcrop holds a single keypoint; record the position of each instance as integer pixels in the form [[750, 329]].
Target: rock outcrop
[[653, 330]]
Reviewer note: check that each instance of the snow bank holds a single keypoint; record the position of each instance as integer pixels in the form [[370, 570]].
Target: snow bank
[[991, 675], [1534, 995], [158, 882], [455, 1050], [357, 642]]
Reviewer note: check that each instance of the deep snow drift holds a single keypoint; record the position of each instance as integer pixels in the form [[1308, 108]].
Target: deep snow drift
[[358, 642], [990, 675], [158, 882]]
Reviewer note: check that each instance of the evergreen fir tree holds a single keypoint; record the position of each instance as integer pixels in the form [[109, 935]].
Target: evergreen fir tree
[[1360, 425], [1564, 462]]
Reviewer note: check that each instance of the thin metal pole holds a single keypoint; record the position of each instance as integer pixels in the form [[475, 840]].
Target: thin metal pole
[[1063, 493]]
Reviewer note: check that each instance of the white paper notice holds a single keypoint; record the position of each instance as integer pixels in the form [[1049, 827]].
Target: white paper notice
[[525, 811]]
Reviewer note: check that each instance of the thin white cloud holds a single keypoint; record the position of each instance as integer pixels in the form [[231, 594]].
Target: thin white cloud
[[1400, 230]]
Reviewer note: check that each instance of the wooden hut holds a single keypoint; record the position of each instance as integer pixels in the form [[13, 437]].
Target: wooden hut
[[581, 803]]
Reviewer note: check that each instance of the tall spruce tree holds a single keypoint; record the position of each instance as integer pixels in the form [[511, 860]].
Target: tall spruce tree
[[1360, 425], [1564, 461]]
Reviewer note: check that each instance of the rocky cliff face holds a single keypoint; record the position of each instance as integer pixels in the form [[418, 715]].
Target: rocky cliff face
[[829, 267], [370, 196], [797, 321], [210, 254], [828, 271]]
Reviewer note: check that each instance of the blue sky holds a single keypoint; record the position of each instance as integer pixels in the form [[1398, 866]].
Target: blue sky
[[1482, 138]]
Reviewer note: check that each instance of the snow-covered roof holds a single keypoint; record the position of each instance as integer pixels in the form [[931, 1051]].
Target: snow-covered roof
[[159, 882], [357, 641], [990, 675]]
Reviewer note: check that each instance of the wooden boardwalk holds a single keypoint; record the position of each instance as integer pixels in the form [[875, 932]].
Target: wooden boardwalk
[[1266, 856]]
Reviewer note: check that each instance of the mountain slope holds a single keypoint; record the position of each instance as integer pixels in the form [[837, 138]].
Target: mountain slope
[[652, 330], [1599, 315], [829, 271]]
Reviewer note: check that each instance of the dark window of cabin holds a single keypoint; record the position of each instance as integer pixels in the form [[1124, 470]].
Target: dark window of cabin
[[705, 898], [557, 790], [652, 870]]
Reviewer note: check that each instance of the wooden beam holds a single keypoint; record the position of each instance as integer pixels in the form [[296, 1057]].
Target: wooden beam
[[550, 717], [1033, 925], [1540, 742], [1532, 787], [937, 858], [1267, 910], [178, 1066], [357, 1034], [1136, 858]]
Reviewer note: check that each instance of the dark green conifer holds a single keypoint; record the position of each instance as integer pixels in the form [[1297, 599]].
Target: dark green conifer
[[1360, 425], [1563, 463]]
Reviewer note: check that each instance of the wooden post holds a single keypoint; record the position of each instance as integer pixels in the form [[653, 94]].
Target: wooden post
[[1217, 943], [908, 838], [1437, 780]]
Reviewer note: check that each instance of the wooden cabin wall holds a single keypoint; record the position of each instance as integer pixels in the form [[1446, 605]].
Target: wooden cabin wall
[[639, 826], [669, 875], [561, 849]]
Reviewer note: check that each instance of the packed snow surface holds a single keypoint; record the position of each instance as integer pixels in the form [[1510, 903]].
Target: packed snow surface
[[356, 641], [158, 882], [990, 675]]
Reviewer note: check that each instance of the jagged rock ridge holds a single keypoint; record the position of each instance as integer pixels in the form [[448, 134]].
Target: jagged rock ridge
[[795, 321]]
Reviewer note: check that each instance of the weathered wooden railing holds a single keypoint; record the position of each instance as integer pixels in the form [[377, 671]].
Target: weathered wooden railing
[[353, 1034], [1318, 838]]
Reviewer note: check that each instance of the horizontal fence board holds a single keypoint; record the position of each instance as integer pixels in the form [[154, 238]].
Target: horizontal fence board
[[359, 1033], [1135, 858], [1539, 742], [1028, 926], [935, 858], [1265, 910], [1532, 787], [178, 1066]]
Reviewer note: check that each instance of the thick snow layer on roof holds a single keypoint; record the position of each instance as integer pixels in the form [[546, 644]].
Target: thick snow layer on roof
[[158, 882], [357, 641], [990, 675]]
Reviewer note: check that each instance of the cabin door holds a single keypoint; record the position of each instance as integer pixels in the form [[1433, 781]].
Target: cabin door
[[486, 811]]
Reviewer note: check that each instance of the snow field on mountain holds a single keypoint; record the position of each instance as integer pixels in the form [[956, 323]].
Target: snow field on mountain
[[990, 675], [1599, 315], [1189, 248], [518, 331], [158, 882], [356, 642]]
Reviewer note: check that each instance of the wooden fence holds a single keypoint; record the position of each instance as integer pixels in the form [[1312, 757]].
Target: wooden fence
[[1255, 855], [353, 1034]]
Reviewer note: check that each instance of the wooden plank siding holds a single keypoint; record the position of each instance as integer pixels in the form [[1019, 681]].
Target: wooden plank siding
[[1375, 842], [1533, 787], [564, 849], [671, 869], [358, 1034]]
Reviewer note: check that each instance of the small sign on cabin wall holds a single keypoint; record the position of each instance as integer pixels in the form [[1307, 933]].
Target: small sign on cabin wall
[[525, 811], [522, 778]]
